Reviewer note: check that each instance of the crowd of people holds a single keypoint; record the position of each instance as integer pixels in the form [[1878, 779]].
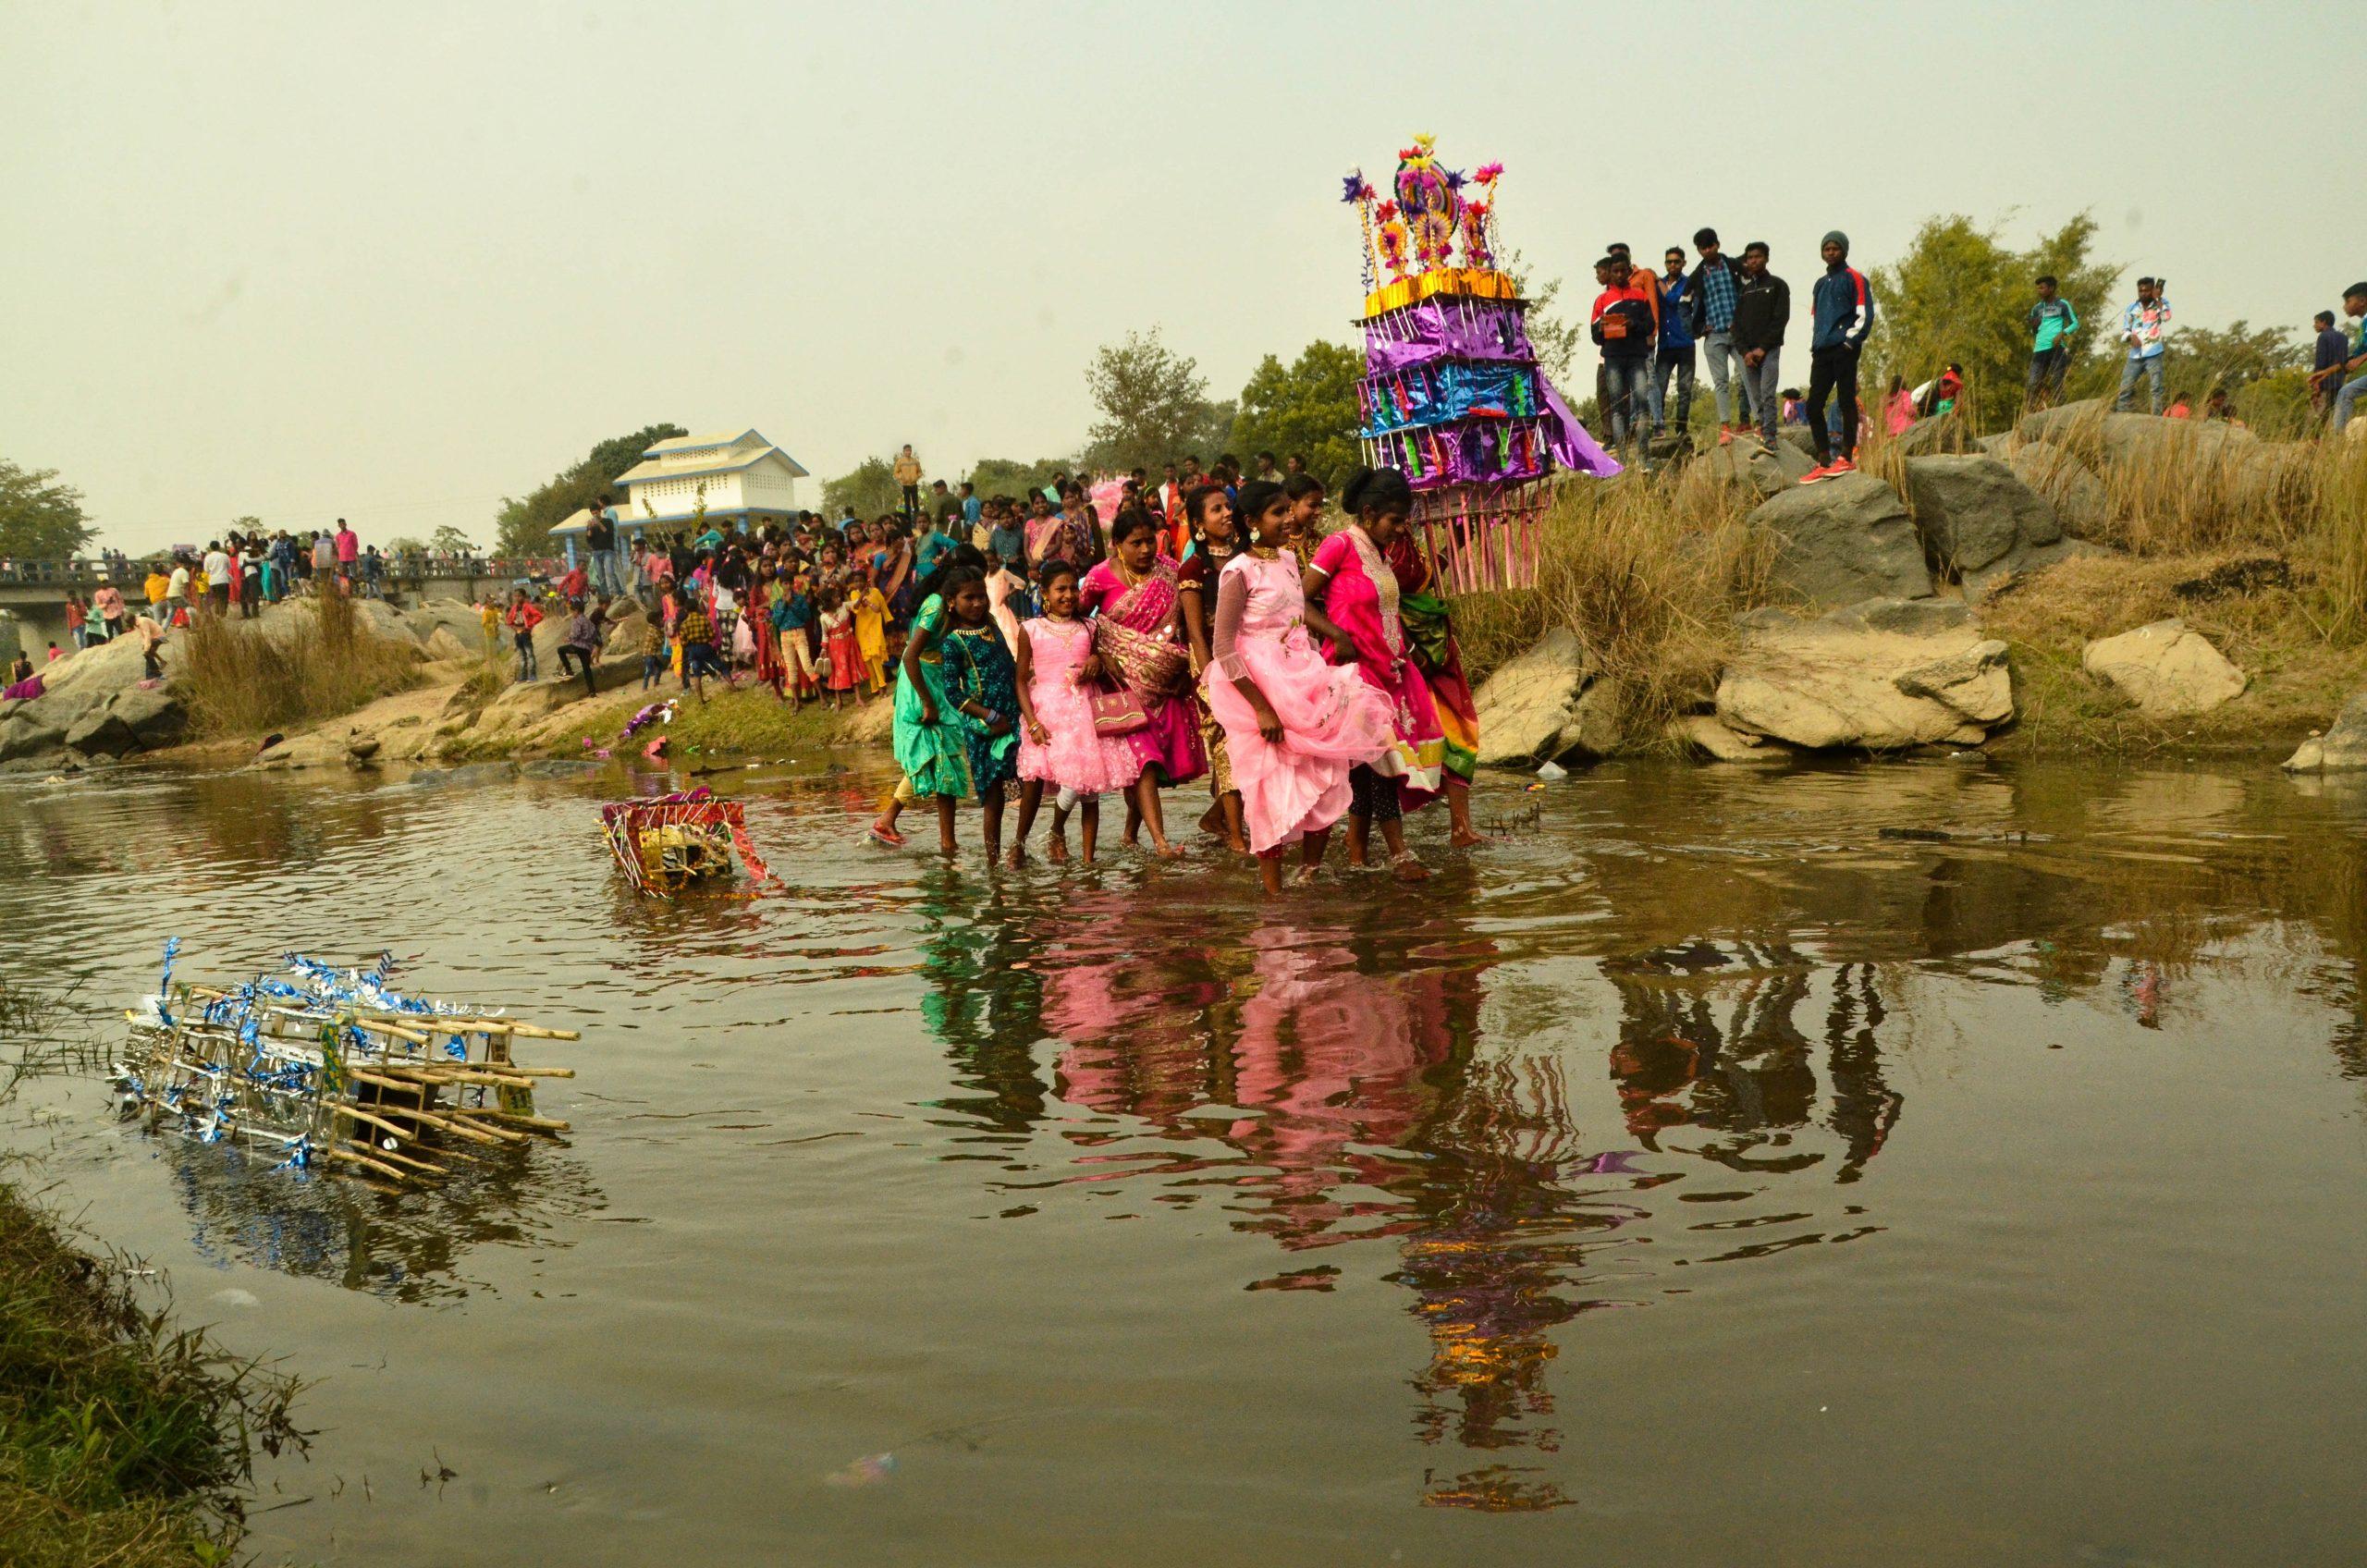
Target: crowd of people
[[1197, 630], [1733, 313]]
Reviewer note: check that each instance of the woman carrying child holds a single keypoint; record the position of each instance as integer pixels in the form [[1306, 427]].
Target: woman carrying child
[[1352, 601], [1133, 595]]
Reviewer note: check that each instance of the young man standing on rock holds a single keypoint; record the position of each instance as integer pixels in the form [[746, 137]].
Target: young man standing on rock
[[2145, 328], [908, 481], [2354, 301], [1625, 327], [2052, 322], [1842, 313], [1675, 352], [1762, 309], [1711, 298]]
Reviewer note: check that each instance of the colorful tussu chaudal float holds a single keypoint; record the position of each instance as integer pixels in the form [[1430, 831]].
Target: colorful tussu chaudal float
[[1452, 395], [666, 843], [329, 1069]]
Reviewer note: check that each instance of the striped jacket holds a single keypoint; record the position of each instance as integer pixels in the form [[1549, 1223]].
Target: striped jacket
[[1843, 310]]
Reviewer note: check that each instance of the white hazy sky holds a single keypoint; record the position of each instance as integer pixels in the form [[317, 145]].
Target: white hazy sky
[[394, 261]]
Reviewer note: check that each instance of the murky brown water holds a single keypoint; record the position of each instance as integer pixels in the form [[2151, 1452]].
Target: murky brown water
[[1693, 1176]]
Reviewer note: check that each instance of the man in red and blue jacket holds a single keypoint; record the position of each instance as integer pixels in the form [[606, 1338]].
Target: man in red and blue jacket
[[1843, 314]]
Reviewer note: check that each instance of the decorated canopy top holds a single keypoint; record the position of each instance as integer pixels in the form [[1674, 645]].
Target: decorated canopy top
[[1453, 394]]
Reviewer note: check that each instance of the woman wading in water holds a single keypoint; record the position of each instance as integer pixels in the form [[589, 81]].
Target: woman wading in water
[[1352, 600], [1133, 598], [1214, 541], [1294, 725]]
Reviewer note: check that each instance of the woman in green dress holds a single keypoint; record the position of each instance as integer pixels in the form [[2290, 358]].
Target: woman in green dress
[[981, 681]]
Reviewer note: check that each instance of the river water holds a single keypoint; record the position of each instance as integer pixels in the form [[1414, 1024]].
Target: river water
[[1693, 1175]]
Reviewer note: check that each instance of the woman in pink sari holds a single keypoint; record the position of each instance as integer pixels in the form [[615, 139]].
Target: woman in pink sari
[[1352, 601], [1133, 597]]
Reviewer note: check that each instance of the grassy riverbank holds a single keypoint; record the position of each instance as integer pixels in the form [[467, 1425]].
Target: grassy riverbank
[[122, 1441]]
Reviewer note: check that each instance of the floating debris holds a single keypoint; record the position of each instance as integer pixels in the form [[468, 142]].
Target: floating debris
[[332, 1068], [668, 842]]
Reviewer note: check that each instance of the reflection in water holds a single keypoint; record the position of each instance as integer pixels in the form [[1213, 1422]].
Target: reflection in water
[[408, 1245]]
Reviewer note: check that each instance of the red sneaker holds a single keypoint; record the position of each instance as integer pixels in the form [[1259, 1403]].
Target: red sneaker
[[1822, 472], [1725, 436], [1838, 467]]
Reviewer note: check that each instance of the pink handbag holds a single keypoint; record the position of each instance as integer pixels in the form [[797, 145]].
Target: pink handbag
[[1117, 713]]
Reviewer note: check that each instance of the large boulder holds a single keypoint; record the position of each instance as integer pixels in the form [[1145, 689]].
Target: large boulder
[[2168, 671], [99, 733], [1973, 512], [2342, 748], [456, 618], [26, 731], [1706, 735], [1878, 676], [1767, 470], [1843, 541], [2082, 504], [1941, 433], [1549, 705]]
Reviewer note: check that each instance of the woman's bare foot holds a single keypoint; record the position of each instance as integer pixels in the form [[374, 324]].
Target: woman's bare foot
[[1057, 853], [1409, 868], [1017, 858], [1466, 838], [1304, 876], [1164, 850]]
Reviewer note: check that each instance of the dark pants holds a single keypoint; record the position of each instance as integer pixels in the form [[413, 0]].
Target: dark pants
[[698, 659], [912, 501], [217, 597], [578, 659], [1373, 797], [2045, 378], [1833, 373]]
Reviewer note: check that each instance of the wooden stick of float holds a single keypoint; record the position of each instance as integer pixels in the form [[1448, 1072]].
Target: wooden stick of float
[[428, 1166], [506, 1026], [443, 1119], [370, 1162], [358, 1114], [545, 1123]]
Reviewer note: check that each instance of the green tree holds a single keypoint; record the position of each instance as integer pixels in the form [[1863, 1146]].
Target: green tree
[[1960, 293], [451, 541], [2201, 361], [40, 519], [1308, 407], [1154, 406], [871, 490], [1002, 476], [522, 526], [1554, 336]]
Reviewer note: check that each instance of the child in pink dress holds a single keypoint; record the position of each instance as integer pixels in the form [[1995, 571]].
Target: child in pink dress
[[1057, 742], [1294, 725]]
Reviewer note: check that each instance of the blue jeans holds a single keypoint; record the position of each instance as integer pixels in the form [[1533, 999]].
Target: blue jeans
[[1680, 360], [2351, 392], [2150, 366], [1764, 386], [1627, 384], [606, 579], [1725, 363]]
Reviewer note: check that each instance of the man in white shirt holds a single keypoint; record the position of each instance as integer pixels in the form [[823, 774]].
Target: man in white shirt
[[177, 591], [2145, 329], [217, 579]]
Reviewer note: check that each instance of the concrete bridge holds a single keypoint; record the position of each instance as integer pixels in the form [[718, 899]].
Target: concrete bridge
[[33, 594]]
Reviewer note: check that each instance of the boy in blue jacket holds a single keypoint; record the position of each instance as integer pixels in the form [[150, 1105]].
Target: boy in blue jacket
[[1844, 304]]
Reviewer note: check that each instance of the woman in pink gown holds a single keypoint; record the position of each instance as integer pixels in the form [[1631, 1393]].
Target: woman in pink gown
[[1352, 597], [1294, 725], [1133, 596]]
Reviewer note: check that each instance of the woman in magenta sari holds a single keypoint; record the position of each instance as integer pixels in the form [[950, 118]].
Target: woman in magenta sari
[[1352, 600], [1133, 598]]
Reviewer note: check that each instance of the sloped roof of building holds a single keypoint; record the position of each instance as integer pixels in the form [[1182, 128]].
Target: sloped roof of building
[[713, 440], [726, 462]]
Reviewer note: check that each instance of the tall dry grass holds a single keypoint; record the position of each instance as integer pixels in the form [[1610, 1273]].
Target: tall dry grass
[[1649, 569], [306, 662]]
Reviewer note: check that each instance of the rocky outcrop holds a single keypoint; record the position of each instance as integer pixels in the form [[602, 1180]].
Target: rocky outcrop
[[1765, 472], [1708, 735], [2342, 748], [1973, 512], [2082, 505], [1549, 705], [2168, 671], [1843, 541], [1880, 675], [1941, 433]]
